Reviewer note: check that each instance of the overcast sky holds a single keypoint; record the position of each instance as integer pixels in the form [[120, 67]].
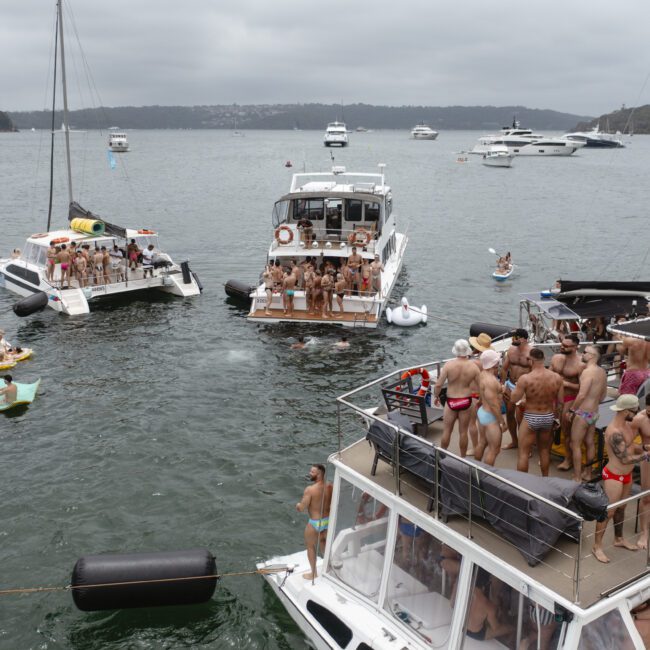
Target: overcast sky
[[581, 56]]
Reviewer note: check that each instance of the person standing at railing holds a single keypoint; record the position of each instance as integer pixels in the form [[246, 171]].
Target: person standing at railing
[[623, 454], [461, 376], [593, 389], [316, 501], [376, 268], [542, 390], [641, 423], [354, 264], [516, 364], [492, 421]]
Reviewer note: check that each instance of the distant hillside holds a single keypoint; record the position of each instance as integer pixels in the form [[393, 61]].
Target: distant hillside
[[625, 120], [5, 123], [303, 116]]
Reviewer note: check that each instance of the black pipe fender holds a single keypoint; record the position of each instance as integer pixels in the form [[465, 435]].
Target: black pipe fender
[[495, 331], [31, 304]]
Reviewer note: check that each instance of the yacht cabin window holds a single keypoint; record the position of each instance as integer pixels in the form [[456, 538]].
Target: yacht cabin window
[[371, 211], [422, 583], [312, 209], [354, 209], [358, 543], [608, 631], [280, 213], [500, 616]]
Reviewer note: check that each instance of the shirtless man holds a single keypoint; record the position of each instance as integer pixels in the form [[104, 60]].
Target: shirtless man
[[289, 289], [80, 269], [637, 356], [461, 375], [132, 252], [297, 272], [327, 286], [593, 389], [516, 364], [343, 343], [299, 344], [354, 264], [316, 293], [569, 366], [65, 260], [339, 290], [345, 272], [617, 474], [51, 262], [478, 344], [106, 265], [366, 272], [316, 500], [543, 391], [493, 424], [267, 276], [641, 425], [9, 392], [98, 265], [277, 275], [376, 267], [308, 279]]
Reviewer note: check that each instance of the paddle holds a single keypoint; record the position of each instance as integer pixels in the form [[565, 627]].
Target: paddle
[[491, 250]]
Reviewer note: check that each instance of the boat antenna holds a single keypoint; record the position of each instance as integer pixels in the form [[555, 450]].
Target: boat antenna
[[65, 101], [49, 207]]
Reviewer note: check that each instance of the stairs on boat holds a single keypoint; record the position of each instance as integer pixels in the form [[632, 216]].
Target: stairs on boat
[[73, 302]]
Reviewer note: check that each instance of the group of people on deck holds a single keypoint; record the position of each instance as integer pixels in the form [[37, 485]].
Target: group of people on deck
[[488, 395], [322, 280], [99, 266]]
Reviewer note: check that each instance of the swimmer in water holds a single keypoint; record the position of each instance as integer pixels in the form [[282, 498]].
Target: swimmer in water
[[299, 344], [343, 343]]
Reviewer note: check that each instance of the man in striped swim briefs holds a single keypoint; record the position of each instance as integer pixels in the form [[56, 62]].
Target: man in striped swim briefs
[[543, 392]]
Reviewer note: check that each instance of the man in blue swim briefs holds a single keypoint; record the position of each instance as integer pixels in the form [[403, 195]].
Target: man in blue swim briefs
[[543, 391], [316, 500], [491, 420]]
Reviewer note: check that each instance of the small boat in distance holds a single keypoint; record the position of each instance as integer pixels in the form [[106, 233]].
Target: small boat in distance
[[423, 132], [336, 135], [361, 129], [497, 156], [117, 140]]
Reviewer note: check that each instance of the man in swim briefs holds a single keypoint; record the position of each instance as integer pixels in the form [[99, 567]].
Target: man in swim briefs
[[267, 276], [637, 357], [516, 364], [569, 366], [354, 264], [593, 389], [51, 262], [622, 455], [641, 424], [366, 272], [289, 289], [376, 267], [98, 265], [543, 391], [65, 260], [10, 391], [492, 421], [316, 500], [461, 375]]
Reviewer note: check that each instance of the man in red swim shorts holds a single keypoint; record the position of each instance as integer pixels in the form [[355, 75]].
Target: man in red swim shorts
[[617, 474], [461, 375], [637, 356]]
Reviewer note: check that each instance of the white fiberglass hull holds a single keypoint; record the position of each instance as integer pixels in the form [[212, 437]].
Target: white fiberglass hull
[[497, 161]]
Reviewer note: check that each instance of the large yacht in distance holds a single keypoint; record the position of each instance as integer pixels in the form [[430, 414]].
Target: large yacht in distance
[[596, 138], [117, 140], [336, 135], [423, 132], [428, 550], [320, 220], [523, 142]]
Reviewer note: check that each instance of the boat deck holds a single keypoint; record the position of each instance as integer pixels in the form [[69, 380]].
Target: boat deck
[[557, 570], [353, 318]]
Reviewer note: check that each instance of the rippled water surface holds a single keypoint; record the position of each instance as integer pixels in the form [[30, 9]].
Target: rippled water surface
[[172, 423]]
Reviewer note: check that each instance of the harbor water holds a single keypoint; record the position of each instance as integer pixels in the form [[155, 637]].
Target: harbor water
[[165, 423]]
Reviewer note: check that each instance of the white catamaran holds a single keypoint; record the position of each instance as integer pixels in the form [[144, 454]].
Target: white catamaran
[[58, 281]]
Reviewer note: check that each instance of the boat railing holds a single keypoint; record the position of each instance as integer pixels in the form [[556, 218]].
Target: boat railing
[[438, 477]]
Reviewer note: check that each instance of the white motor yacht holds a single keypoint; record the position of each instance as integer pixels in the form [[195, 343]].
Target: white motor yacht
[[49, 281], [523, 142], [423, 132], [596, 138], [498, 155], [117, 141], [321, 219], [336, 135], [426, 549]]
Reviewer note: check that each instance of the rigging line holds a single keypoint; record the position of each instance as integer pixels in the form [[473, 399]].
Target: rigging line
[[49, 207], [217, 576]]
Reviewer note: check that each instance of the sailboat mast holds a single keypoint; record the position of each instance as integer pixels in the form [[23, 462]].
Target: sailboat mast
[[52, 133], [66, 127]]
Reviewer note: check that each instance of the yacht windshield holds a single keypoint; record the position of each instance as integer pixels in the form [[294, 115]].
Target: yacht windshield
[[280, 213]]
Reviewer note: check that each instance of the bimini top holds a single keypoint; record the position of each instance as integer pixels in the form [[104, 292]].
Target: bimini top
[[639, 328], [337, 181]]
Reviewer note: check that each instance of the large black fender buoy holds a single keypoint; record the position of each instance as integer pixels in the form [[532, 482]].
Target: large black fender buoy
[[31, 304], [239, 291], [187, 274], [143, 579], [495, 331]]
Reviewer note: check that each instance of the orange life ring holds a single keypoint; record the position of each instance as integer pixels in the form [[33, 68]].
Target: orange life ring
[[144, 231], [61, 240], [38, 235], [354, 237], [280, 229], [424, 373]]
